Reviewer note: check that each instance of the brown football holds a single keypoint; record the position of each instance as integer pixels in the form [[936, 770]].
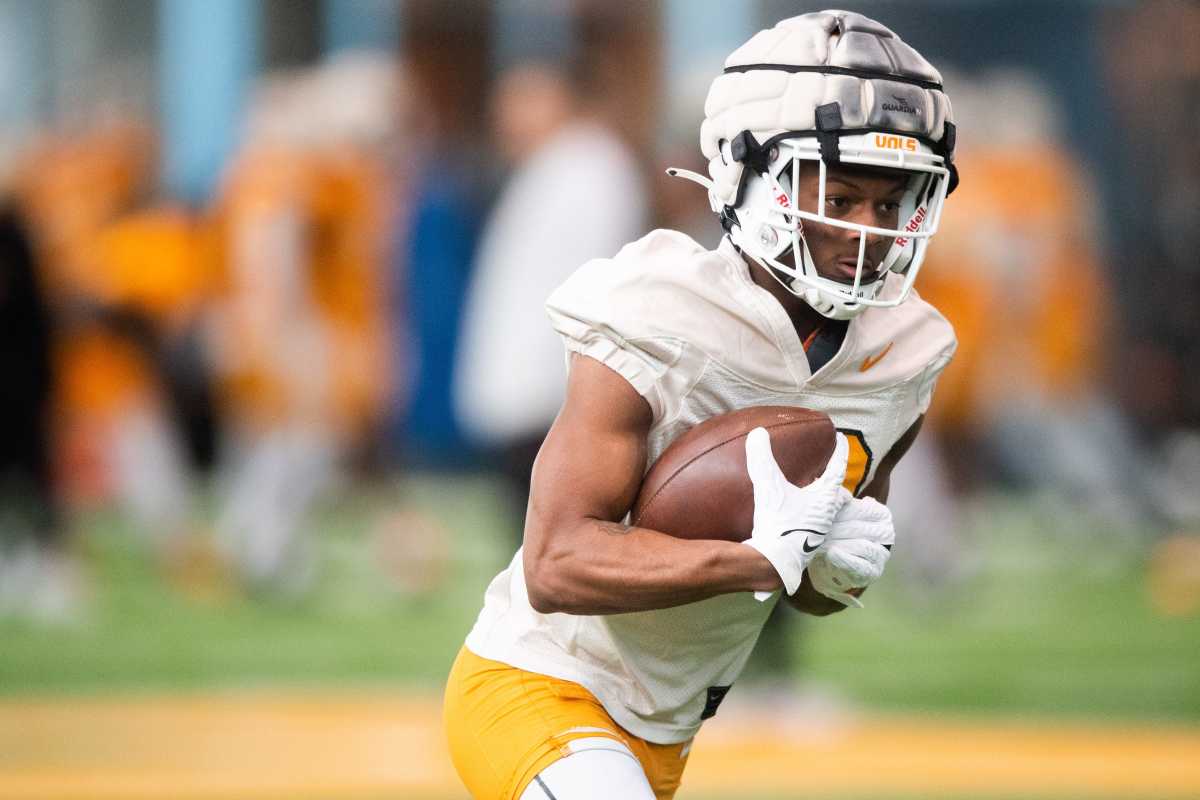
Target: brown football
[[699, 488]]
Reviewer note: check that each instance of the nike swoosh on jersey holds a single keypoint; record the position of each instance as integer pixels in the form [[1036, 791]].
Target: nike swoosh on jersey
[[871, 361]]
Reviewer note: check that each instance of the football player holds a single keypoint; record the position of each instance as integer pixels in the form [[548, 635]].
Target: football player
[[602, 647]]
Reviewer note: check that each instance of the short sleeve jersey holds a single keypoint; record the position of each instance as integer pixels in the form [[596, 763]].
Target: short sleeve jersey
[[696, 337]]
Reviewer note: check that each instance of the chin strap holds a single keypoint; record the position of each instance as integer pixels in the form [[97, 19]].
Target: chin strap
[[820, 302], [829, 308]]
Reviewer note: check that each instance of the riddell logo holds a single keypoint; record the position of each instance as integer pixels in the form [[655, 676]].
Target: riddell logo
[[885, 141], [912, 225], [901, 105]]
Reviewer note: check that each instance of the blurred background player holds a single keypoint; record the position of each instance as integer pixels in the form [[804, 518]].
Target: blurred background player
[[36, 577], [575, 193], [299, 330]]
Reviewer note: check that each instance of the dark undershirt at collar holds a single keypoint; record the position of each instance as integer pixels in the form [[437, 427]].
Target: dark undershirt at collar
[[826, 343]]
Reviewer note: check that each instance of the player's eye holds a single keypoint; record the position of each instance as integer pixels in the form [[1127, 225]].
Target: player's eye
[[837, 201]]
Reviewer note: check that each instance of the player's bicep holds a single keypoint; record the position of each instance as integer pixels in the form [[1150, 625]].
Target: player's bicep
[[593, 459]]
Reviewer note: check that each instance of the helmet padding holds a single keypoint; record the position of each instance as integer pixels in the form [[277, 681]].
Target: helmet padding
[[775, 82]]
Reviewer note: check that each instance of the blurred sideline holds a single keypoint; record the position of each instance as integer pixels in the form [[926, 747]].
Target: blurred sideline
[[354, 745]]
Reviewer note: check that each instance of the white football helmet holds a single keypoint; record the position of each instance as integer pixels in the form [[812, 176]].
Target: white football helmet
[[834, 88]]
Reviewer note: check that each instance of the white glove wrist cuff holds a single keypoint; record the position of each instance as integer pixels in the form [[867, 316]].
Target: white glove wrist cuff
[[775, 551]]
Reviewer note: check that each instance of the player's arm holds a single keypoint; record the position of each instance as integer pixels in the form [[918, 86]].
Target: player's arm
[[809, 600], [578, 558]]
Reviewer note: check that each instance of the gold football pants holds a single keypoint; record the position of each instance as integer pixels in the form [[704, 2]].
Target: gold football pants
[[505, 725]]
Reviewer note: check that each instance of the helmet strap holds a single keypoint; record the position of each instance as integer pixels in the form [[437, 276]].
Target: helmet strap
[[829, 122]]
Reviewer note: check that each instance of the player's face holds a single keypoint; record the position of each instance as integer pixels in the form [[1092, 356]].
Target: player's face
[[854, 194]]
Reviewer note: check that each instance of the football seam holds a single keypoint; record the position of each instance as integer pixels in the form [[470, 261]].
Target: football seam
[[702, 453]]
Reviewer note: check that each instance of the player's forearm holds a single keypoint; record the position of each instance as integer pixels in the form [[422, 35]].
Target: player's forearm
[[606, 568]]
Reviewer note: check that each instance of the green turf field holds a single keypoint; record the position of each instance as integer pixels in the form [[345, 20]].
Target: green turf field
[[1050, 624], [1038, 629], [1047, 626]]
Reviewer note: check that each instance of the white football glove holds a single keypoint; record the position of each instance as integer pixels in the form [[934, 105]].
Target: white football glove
[[790, 522], [855, 552]]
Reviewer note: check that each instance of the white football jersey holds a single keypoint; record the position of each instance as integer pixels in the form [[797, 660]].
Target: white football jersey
[[696, 337]]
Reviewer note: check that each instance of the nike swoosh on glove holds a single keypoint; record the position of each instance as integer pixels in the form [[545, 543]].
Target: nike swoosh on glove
[[855, 551], [790, 522]]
